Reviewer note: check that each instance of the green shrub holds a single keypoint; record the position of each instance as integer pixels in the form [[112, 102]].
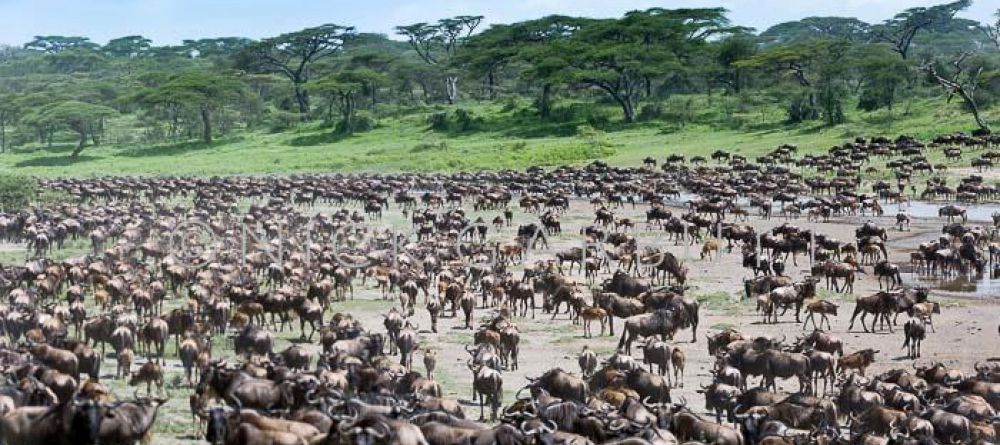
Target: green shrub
[[364, 122], [465, 120], [509, 104], [594, 138], [650, 112], [438, 121], [280, 120], [16, 192], [429, 146], [360, 123], [598, 119]]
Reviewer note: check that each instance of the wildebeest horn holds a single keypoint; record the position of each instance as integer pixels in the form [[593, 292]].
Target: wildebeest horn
[[381, 431], [309, 397], [621, 422], [353, 416], [525, 431], [551, 429]]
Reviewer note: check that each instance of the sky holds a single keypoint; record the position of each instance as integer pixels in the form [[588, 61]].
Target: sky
[[171, 21]]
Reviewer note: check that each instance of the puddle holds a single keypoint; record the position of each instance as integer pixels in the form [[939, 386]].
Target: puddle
[[988, 286], [924, 209]]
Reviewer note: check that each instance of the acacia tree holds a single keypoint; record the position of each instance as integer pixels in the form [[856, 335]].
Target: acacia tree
[[809, 28], [962, 78], [436, 44], [992, 30], [342, 91], [57, 44], [880, 77], [85, 119], [10, 111], [532, 44], [129, 46], [817, 69], [900, 30], [622, 57], [201, 91], [730, 51], [217, 47], [375, 65], [292, 55]]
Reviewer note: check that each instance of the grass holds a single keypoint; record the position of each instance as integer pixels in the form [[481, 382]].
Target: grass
[[503, 139], [721, 301]]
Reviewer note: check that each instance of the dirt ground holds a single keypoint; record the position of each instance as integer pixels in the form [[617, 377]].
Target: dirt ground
[[966, 330]]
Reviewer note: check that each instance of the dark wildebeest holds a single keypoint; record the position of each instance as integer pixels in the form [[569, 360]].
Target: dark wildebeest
[[662, 322]]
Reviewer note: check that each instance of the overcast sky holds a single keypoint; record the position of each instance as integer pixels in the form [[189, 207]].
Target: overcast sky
[[170, 21]]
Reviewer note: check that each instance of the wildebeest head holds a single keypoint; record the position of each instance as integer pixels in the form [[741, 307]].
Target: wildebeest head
[[86, 421], [218, 419]]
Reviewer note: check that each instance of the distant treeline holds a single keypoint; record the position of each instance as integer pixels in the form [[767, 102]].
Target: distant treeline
[[57, 86]]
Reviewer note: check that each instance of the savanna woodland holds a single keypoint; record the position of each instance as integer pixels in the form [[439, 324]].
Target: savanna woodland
[[465, 96], [656, 229]]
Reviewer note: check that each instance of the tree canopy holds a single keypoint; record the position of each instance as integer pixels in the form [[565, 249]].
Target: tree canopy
[[82, 118], [645, 65]]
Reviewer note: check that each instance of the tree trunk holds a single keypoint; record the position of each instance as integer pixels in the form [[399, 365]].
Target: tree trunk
[[302, 97], [79, 146], [491, 85], [451, 85], [971, 103], [347, 114], [544, 103], [206, 125], [3, 136], [628, 107]]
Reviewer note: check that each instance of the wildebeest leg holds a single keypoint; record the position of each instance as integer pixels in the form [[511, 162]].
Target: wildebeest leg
[[857, 310], [809, 317], [481, 417]]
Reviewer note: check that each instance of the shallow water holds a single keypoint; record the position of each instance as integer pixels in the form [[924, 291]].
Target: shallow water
[[986, 287], [924, 209]]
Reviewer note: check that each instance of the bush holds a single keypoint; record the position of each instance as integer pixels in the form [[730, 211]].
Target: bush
[[465, 120], [16, 192], [438, 121], [360, 123], [801, 109], [364, 122], [650, 112], [598, 119], [509, 104], [279, 120], [429, 146], [593, 137]]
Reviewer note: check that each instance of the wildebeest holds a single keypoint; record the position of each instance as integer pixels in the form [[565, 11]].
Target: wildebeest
[[70, 422], [663, 323]]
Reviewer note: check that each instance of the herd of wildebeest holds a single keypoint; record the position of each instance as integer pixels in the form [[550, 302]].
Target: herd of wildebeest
[[183, 261]]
